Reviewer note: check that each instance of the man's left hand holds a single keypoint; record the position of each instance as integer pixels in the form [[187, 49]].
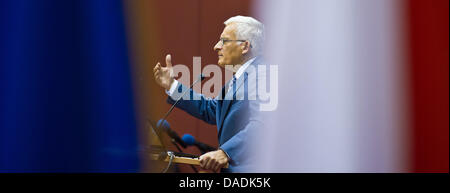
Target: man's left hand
[[213, 160]]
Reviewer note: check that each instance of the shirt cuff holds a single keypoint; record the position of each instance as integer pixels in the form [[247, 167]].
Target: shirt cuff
[[172, 89]]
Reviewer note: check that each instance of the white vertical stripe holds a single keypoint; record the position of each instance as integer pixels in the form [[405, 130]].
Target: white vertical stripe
[[339, 86]]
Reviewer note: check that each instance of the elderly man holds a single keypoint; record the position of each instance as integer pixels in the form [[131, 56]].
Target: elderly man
[[239, 46]]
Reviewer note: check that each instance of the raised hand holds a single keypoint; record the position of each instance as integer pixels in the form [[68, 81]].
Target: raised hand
[[164, 75]]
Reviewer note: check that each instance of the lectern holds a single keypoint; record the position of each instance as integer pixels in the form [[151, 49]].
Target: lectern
[[159, 152]]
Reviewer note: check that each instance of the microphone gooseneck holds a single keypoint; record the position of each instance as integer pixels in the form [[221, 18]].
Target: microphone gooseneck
[[163, 121], [200, 78], [174, 135]]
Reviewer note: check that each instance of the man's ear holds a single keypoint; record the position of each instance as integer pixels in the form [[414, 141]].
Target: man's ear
[[246, 47]]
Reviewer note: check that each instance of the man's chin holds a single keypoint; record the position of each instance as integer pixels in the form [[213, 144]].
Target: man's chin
[[220, 63]]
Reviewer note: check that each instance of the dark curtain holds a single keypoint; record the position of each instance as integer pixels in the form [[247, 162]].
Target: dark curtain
[[66, 100]]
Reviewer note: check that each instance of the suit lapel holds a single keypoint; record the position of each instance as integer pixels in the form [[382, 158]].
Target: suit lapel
[[227, 103]]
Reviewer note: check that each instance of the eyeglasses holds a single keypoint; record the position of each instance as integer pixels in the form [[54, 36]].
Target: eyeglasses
[[223, 41]]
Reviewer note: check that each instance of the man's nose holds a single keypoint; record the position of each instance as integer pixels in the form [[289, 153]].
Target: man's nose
[[217, 47]]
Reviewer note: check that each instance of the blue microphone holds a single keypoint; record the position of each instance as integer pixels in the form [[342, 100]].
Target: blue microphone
[[189, 140]]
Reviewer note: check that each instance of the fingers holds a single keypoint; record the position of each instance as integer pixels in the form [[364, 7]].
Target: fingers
[[212, 161], [169, 61], [207, 162], [215, 166], [204, 160], [156, 74], [157, 67]]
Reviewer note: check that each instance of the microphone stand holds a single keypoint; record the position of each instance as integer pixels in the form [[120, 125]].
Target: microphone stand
[[200, 78]]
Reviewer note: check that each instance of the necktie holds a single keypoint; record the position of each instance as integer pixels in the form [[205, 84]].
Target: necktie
[[232, 84]]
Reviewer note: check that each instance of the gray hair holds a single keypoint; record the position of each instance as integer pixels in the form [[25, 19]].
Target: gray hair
[[250, 29]]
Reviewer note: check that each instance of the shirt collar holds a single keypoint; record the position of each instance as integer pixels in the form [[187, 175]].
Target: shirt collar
[[241, 70]]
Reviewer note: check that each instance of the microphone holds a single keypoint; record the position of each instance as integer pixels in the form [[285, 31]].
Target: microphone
[[164, 125], [171, 133], [190, 140]]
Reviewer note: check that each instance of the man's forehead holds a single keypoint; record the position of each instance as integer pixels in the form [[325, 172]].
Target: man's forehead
[[228, 31]]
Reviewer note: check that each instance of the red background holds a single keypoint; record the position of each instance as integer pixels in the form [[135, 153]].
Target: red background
[[428, 51]]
